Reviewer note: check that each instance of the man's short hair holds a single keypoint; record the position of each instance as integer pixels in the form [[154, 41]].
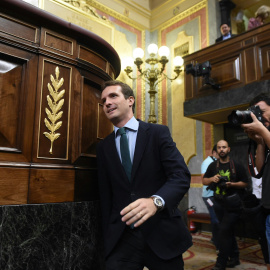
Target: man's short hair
[[224, 23], [125, 88], [261, 97]]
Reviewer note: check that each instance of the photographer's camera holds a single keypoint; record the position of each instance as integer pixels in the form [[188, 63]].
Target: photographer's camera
[[237, 118]]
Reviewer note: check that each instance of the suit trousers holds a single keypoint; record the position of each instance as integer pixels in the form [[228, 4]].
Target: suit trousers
[[133, 253]]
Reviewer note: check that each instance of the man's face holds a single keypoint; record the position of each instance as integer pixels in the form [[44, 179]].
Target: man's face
[[223, 149], [225, 29], [117, 109], [265, 112]]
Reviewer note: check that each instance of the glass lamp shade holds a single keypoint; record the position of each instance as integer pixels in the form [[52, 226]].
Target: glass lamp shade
[[152, 49], [127, 62], [138, 53], [164, 51], [178, 61]]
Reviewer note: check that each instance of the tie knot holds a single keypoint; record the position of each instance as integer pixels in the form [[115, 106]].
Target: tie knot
[[122, 131]]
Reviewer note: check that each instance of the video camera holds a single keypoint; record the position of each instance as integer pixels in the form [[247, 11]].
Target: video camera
[[237, 118], [203, 70], [199, 69]]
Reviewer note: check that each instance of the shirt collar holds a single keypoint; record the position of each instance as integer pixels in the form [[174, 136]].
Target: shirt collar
[[132, 124], [228, 36]]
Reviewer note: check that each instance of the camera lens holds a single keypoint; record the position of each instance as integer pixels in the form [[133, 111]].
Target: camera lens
[[239, 117]]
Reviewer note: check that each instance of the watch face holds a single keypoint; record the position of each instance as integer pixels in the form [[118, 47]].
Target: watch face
[[158, 202]]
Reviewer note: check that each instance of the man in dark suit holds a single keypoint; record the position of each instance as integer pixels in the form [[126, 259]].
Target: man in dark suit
[[142, 225], [225, 31]]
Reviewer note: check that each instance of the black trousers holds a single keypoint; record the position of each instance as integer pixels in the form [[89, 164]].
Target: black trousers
[[257, 218], [133, 253], [228, 247]]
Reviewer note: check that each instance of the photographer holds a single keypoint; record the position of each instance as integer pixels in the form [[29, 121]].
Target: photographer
[[258, 131], [228, 179]]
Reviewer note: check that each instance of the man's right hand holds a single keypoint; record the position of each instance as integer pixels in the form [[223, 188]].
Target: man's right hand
[[215, 178], [255, 129]]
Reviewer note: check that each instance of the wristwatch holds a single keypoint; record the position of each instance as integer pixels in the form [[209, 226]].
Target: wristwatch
[[158, 202]]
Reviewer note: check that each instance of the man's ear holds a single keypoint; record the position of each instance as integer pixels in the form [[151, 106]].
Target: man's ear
[[131, 100]]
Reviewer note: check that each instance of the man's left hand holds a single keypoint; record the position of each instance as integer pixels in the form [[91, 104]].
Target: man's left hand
[[139, 211], [229, 184]]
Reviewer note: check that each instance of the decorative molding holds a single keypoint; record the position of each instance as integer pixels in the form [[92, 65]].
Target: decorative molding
[[55, 102], [115, 14], [66, 111], [182, 15], [81, 4]]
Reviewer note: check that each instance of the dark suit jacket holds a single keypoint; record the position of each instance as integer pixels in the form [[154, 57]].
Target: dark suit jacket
[[221, 38], [158, 169]]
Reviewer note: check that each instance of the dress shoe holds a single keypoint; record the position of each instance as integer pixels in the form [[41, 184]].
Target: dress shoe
[[233, 262], [219, 267]]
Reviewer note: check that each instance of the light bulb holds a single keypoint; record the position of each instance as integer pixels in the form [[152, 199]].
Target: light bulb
[[152, 49], [138, 53], [178, 61], [127, 62], [164, 51]]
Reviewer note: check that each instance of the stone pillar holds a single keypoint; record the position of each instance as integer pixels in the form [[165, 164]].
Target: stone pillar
[[225, 11]]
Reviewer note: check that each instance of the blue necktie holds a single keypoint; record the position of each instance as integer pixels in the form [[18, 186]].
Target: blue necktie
[[125, 155]]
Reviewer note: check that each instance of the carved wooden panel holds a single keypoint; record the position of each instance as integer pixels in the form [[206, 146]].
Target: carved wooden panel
[[14, 185], [52, 185], [227, 72], [105, 127], [264, 56], [93, 58], [111, 71], [10, 104], [17, 103], [94, 124], [250, 64], [18, 28], [58, 43], [54, 111], [249, 41]]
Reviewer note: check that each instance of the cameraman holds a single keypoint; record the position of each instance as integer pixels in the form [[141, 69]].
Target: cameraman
[[228, 179], [259, 132]]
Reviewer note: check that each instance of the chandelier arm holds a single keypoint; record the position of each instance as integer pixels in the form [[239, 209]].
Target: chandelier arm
[[132, 78], [171, 79], [160, 80]]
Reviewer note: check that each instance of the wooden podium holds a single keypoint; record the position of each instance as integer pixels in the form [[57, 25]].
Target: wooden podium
[[51, 116]]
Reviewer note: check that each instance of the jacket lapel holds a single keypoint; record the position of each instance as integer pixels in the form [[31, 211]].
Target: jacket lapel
[[141, 142], [111, 149]]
